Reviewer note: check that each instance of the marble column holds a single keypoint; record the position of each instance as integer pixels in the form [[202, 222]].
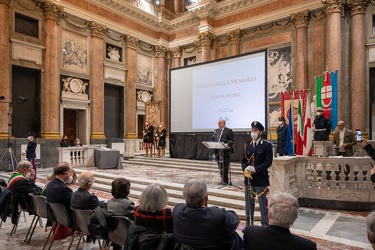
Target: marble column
[[358, 81], [97, 82], [167, 106], [301, 21], [130, 97], [177, 52], [334, 44], [160, 81], [206, 41], [5, 66], [177, 6], [50, 112], [235, 41]]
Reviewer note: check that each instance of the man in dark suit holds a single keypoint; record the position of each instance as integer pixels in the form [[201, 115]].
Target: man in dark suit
[[57, 189], [224, 134], [283, 211], [202, 227], [257, 158], [20, 182], [82, 198]]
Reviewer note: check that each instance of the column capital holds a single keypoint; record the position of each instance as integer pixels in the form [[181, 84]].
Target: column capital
[[52, 11], [177, 52], [97, 30], [131, 42], [206, 38], [6, 2], [301, 19], [160, 51], [334, 6], [235, 35], [358, 6]]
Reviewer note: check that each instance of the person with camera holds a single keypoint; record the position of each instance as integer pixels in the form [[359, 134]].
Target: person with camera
[[343, 139], [148, 138]]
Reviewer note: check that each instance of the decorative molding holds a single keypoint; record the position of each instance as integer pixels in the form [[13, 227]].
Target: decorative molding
[[334, 6], [73, 24], [74, 85], [301, 19], [206, 38], [317, 16], [140, 45], [131, 42], [52, 11], [177, 52], [160, 51], [97, 30], [6, 2], [357, 6], [114, 38], [234, 36], [259, 30], [22, 4], [27, 51]]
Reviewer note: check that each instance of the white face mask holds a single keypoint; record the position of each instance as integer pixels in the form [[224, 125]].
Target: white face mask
[[319, 113], [27, 176], [160, 126], [30, 138], [254, 135], [69, 180], [280, 123], [147, 123]]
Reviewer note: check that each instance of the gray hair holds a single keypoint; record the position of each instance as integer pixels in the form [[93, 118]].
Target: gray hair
[[153, 198], [222, 120], [370, 226], [22, 165], [194, 193], [84, 178], [283, 209]]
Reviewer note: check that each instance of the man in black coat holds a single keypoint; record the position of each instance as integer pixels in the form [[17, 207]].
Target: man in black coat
[[257, 158], [225, 135], [82, 198], [283, 211], [281, 137], [322, 126]]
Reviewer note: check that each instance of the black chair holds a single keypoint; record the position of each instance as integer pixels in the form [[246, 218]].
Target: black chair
[[40, 211], [118, 229], [61, 217], [19, 205], [80, 220]]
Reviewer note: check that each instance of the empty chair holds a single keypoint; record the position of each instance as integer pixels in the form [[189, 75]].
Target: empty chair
[[61, 217], [40, 211], [118, 229], [81, 220], [19, 204]]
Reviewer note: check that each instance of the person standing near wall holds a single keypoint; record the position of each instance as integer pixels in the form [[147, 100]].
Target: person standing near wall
[[148, 137], [160, 140], [30, 150], [281, 137]]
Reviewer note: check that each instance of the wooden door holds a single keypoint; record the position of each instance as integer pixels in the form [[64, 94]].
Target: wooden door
[[70, 119]]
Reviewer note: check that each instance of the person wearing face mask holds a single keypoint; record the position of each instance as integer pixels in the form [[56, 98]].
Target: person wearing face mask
[[281, 137], [257, 158], [160, 137], [148, 138], [57, 190], [64, 143], [82, 198], [30, 150], [322, 126]]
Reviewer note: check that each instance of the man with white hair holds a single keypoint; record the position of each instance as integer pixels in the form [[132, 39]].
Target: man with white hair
[[82, 198], [370, 227], [283, 211]]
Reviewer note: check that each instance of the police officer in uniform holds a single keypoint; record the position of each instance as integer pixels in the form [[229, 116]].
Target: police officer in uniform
[[257, 158], [322, 126]]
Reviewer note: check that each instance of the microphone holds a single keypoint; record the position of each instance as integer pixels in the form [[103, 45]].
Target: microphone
[[22, 98], [213, 136]]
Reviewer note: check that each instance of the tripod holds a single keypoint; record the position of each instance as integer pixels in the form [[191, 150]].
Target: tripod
[[11, 157]]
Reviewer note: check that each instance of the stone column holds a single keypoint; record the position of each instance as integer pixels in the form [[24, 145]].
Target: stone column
[[177, 6], [235, 41], [177, 52], [198, 45], [160, 81], [301, 21], [358, 96], [97, 82], [130, 96], [50, 112], [5, 66], [334, 10], [167, 106], [206, 41]]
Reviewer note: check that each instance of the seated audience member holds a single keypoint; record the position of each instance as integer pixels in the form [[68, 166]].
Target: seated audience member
[[120, 204], [283, 211], [152, 212], [82, 198], [20, 182], [152, 227], [370, 227], [57, 190], [199, 226]]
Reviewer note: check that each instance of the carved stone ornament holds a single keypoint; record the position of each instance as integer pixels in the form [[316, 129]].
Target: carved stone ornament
[[333, 6], [144, 96], [358, 6], [131, 42], [235, 35], [97, 29], [301, 19], [74, 85], [52, 11], [160, 51], [177, 52], [206, 38]]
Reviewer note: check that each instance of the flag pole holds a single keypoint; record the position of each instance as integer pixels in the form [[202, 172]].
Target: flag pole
[[292, 111]]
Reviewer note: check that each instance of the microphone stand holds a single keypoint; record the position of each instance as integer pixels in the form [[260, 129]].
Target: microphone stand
[[230, 184]]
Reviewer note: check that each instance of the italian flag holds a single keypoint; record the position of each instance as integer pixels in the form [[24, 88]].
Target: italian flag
[[300, 129]]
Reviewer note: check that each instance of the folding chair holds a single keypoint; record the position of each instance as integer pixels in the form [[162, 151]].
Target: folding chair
[[40, 211], [118, 229]]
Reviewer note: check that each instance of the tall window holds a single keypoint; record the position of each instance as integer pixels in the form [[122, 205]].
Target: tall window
[[26, 25]]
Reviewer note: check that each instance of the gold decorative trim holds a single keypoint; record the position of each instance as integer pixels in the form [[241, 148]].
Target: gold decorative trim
[[301, 19], [96, 136], [51, 135], [97, 29], [131, 42], [235, 36], [160, 51], [52, 11], [177, 52]]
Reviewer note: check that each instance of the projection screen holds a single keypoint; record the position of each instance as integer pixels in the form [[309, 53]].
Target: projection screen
[[233, 89]]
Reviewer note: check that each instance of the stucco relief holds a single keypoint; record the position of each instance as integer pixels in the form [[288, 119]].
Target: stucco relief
[[145, 73], [74, 85], [74, 52]]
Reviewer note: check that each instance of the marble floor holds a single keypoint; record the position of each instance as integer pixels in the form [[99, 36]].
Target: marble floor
[[330, 229]]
